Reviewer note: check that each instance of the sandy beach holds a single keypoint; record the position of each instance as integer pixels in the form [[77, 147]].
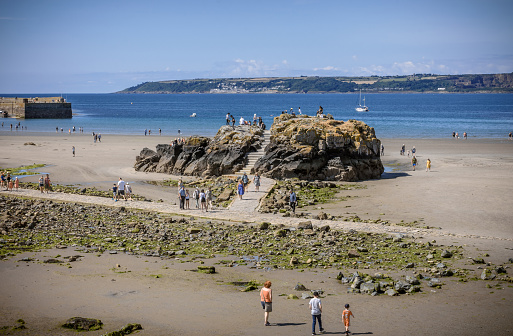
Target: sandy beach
[[464, 200]]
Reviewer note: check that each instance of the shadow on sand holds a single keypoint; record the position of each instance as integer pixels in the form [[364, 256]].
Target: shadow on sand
[[343, 333], [287, 324], [393, 175]]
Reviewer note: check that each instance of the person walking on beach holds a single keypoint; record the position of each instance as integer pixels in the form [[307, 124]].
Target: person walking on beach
[[315, 307], [195, 196], [346, 318], [382, 150], [2, 180], [203, 200], [121, 188], [414, 162], [115, 192], [413, 151], [181, 196], [240, 189], [428, 165], [187, 197], [266, 298], [48, 184], [256, 182], [292, 200], [16, 183], [41, 183], [208, 196], [128, 191], [73, 150], [245, 180]]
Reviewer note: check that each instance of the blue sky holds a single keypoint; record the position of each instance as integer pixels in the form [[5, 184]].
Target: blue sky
[[104, 46]]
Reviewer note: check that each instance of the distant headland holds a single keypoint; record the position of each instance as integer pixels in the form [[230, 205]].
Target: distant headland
[[470, 83]]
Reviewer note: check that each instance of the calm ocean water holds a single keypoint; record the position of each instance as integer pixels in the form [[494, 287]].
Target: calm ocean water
[[391, 115]]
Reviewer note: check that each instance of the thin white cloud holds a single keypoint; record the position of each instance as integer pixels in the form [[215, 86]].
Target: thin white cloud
[[327, 68]]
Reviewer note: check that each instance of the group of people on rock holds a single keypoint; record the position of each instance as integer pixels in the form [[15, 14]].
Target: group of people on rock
[[315, 307], [121, 189], [7, 182], [257, 121]]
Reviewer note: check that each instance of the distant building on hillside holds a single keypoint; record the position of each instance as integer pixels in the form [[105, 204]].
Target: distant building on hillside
[[35, 108]]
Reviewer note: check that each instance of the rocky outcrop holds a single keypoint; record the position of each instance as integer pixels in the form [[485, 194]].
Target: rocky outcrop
[[312, 148], [200, 156]]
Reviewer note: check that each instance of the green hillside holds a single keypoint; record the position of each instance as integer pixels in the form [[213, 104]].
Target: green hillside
[[414, 83]]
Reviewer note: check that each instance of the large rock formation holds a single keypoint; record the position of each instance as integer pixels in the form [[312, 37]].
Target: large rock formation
[[312, 148], [200, 156]]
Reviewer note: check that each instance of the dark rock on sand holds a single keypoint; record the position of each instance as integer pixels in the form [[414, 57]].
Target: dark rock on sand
[[311, 148], [200, 156], [82, 323]]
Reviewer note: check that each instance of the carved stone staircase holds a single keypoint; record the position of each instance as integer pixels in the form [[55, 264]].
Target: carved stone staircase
[[253, 157]]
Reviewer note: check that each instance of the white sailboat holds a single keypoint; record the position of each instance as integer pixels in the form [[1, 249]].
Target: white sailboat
[[360, 107]]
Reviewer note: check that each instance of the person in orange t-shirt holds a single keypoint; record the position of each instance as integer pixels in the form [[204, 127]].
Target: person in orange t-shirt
[[266, 297], [346, 315]]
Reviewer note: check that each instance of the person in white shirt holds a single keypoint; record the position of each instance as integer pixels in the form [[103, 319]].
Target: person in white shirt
[[316, 310], [121, 188]]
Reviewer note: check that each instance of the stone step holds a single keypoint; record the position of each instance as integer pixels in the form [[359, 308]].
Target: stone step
[[253, 157]]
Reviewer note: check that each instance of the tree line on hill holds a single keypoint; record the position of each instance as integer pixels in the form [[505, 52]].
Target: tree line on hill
[[492, 83]]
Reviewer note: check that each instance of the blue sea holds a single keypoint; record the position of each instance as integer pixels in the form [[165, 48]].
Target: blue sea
[[391, 115]]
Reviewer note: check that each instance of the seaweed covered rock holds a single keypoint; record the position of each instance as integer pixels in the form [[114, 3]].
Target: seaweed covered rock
[[312, 148], [200, 156]]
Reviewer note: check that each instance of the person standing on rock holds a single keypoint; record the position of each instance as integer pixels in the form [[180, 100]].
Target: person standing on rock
[[266, 298], [292, 200], [228, 119], [346, 318], [240, 189], [256, 182], [315, 307]]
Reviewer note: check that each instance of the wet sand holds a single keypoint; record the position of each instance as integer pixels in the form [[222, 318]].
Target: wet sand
[[466, 194]]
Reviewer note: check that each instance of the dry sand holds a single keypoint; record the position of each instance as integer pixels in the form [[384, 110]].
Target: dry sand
[[466, 194]]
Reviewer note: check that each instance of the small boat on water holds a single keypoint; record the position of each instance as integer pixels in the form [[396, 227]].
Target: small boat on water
[[193, 115], [360, 107]]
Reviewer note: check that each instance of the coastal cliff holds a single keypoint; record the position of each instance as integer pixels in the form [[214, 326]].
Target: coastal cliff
[[312, 148], [201, 156]]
